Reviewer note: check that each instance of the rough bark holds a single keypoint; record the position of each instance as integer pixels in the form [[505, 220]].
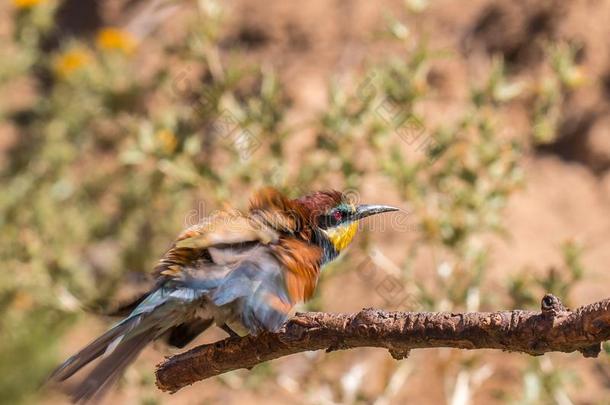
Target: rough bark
[[554, 328]]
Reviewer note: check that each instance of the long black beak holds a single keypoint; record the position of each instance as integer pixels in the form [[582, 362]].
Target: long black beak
[[366, 210]]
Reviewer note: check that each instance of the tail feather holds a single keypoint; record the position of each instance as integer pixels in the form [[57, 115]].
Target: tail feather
[[106, 373], [93, 350], [159, 312], [126, 308]]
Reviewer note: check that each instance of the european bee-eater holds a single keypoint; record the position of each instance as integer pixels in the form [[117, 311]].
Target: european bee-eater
[[242, 271]]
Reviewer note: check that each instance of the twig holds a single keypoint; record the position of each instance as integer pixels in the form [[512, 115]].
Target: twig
[[555, 328]]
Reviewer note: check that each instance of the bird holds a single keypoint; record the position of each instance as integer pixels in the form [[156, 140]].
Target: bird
[[241, 271]]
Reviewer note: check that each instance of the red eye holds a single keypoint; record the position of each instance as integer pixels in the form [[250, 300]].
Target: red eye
[[337, 215]]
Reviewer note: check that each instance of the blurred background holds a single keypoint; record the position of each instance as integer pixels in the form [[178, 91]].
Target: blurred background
[[122, 122]]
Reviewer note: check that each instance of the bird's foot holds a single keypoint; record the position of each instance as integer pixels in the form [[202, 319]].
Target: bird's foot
[[231, 332]]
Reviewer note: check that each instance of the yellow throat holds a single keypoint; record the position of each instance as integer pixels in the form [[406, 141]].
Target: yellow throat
[[342, 235]]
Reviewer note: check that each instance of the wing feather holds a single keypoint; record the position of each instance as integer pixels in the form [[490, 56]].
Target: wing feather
[[224, 229], [243, 263]]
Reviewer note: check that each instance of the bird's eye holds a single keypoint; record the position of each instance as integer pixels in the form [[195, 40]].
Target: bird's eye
[[330, 219], [337, 215]]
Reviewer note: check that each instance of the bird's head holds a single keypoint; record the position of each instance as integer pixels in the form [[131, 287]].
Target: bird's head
[[336, 219], [327, 217]]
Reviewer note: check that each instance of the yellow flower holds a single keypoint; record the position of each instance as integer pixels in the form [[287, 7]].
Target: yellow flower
[[574, 77], [115, 39], [70, 61], [26, 3], [23, 301], [167, 139]]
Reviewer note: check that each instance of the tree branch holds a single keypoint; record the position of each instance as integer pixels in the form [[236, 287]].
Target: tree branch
[[555, 328]]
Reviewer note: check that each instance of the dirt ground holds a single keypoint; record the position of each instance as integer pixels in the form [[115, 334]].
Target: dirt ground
[[567, 191]]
